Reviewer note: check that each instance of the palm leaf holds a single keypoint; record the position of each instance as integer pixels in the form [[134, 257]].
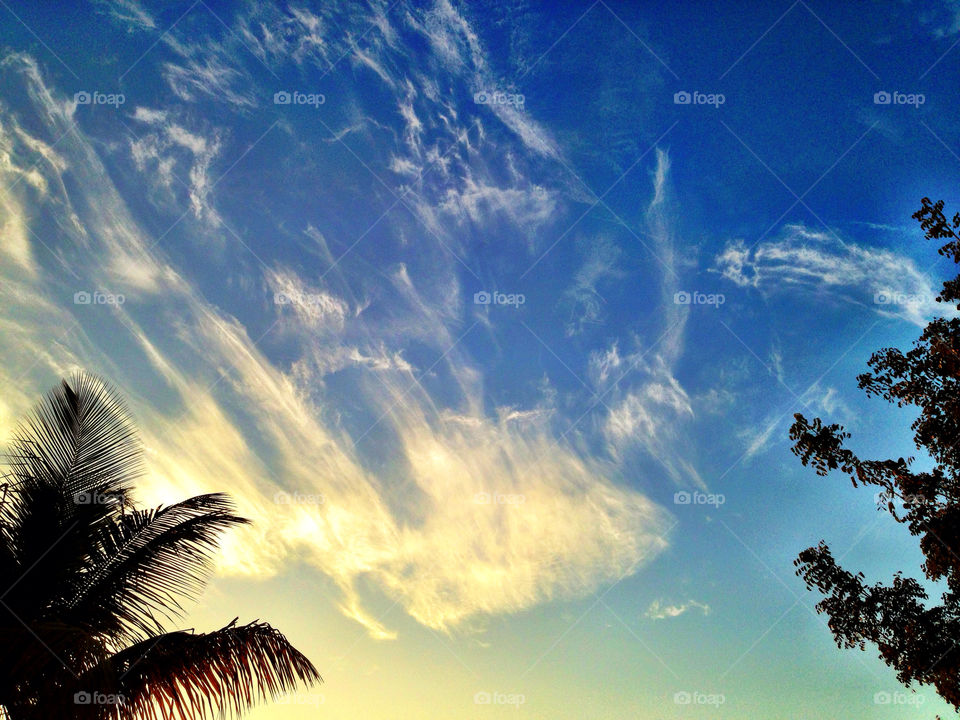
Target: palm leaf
[[186, 675], [84, 586], [80, 438], [144, 562]]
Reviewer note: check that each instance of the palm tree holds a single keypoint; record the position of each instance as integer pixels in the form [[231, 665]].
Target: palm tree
[[88, 582]]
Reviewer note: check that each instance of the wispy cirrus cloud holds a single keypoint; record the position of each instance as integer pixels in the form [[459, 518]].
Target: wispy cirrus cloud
[[176, 160], [210, 70], [802, 260], [294, 435], [584, 297], [649, 411], [129, 14]]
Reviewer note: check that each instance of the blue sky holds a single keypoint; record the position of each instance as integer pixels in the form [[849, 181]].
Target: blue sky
[[275, 228]]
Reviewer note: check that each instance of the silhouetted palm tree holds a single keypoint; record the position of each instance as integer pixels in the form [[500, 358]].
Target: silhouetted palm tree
[[87, 581]]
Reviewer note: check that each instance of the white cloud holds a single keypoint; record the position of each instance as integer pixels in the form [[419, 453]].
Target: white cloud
[[825, 402], [149, 115], [208, 70], [298, 34], [648, 409], [159, 153], [218, 415], [22, 174], [573, 529], [802, 260], [434, 140], [478, 201], [652, 417], [659, 610], [605, 365], [14, 240], [758, 439], [366, 59], [314, 308], [585, 298], [130, 14], [460, 52]]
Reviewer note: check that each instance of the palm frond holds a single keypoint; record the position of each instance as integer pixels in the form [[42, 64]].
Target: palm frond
[[186, 675], [86, 581], [71, 465], [144, 562], [79, 437]]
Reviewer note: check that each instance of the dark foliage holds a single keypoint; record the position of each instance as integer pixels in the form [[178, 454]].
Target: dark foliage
[[920, 640], [88, 582]]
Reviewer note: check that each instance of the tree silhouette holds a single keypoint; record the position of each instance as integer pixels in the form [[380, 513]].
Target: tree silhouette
[[920, 641], [88, 582]]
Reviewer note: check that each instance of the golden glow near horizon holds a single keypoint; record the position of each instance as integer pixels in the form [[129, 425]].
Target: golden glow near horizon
[[460, 503]]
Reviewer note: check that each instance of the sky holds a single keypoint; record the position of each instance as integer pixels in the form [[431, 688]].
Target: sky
[[493, 318]]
